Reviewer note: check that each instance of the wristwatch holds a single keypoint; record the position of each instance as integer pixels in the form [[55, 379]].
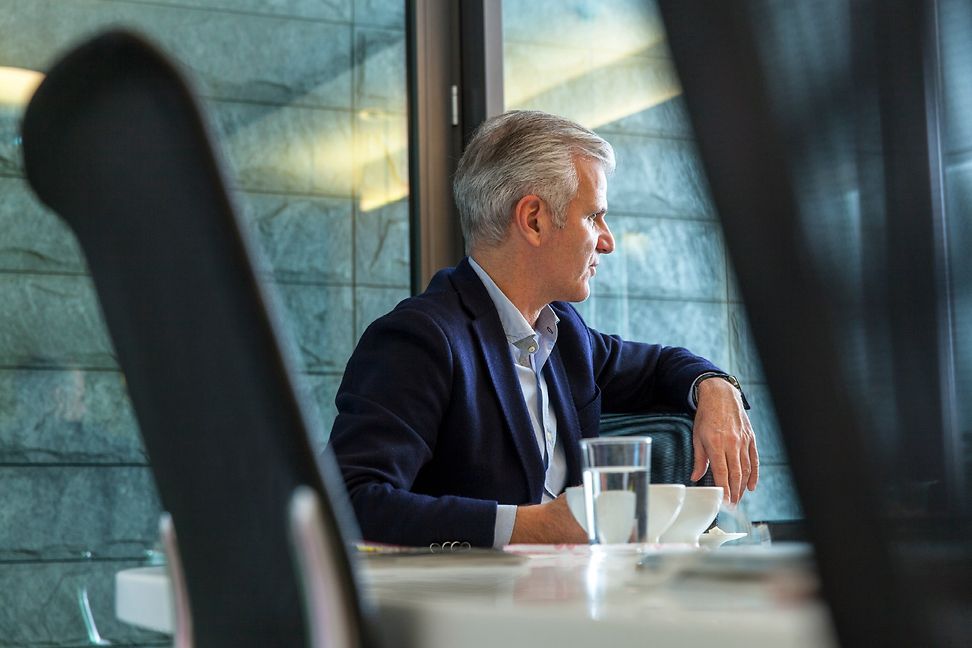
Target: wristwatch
[[727, 377]]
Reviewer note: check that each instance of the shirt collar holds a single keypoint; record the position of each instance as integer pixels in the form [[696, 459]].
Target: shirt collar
[[518, 331]]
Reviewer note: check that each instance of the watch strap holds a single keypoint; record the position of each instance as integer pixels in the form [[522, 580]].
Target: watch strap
[[729, 378]]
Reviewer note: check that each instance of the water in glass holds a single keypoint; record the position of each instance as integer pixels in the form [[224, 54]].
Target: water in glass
[[618, 503]]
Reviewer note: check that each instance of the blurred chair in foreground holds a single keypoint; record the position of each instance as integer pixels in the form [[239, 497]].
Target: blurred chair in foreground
[[115, 144]]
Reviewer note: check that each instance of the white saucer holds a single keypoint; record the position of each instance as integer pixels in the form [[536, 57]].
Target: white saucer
[[713, 540]]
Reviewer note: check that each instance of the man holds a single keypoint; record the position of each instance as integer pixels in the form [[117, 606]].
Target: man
[[460, 412]]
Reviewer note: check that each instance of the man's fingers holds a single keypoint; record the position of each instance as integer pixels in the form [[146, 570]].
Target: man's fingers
[[701, 461], [720, 473], [745, 469], [547, 523], [735, 477], [754, 464]]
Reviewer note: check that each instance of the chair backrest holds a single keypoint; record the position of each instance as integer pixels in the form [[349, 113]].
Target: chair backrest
[[115, 143], [330, 622], [671, 443]]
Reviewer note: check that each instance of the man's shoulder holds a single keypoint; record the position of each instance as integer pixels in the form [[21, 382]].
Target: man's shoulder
[[453, 294], [440, 305], [437, 305]]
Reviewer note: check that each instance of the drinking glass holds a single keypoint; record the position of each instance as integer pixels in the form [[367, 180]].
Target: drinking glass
[[617, 471]]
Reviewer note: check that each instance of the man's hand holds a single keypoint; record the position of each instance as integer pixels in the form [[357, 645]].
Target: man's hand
[[547, 523], [723, 437]]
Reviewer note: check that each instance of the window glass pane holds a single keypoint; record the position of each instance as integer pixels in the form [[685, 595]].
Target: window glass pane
[[606, 65], [307, 101]]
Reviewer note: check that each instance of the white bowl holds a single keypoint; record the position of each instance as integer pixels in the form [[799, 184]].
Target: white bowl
[[699, 509], [664, 504], [614, 511], [575, 502], [616, 508]]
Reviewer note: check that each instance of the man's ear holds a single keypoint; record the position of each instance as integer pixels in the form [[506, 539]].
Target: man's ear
[[527, 222]]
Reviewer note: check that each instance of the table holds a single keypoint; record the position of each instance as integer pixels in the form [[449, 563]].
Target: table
[[569, 596]]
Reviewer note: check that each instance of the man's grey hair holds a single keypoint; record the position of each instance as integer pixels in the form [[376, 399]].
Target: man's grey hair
[[517, 154]]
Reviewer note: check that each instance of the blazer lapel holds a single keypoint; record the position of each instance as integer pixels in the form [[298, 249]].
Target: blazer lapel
[[499, 363], [568, 426], [507, 385]]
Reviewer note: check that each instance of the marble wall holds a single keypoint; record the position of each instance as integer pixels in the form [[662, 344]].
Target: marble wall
[[307, 99], [605, 64]]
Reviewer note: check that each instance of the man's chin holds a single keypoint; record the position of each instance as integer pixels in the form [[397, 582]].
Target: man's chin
[[581, 295]]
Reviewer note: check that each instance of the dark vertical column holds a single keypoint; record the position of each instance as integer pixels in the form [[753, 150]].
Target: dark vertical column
[[480, 29], [912, 189], [455, 81], [793, 317], [434, 134]]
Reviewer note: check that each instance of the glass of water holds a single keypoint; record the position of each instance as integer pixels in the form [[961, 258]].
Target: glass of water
[[617, 471]]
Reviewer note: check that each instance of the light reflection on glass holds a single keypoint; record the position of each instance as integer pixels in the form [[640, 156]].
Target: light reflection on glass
[[594, 62], [17, 85]]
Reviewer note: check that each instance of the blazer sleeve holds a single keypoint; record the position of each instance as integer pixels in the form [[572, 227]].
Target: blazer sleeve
[[635, 376], [390, 406]]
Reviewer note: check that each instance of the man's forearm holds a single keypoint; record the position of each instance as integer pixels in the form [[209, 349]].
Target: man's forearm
[[548, 523]]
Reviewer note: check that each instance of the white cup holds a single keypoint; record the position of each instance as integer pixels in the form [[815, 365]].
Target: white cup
[[699, 509], [616, 515], [615, 508], [575, 502], [664, 503]]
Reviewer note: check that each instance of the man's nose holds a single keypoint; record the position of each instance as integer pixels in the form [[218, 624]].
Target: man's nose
[[605, 240]]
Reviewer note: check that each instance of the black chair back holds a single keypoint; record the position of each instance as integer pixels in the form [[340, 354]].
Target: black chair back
[[672, 455], [115, 144]]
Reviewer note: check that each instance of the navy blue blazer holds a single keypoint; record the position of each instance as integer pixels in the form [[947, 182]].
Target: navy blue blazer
[[432, 429]]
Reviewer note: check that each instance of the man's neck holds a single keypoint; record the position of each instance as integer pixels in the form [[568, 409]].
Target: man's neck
[[513, 279]]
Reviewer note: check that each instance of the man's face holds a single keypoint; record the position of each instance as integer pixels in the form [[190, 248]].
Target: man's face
[[572, 252]]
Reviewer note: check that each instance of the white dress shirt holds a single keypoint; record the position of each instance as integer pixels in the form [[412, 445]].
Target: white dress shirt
[[530, 348]]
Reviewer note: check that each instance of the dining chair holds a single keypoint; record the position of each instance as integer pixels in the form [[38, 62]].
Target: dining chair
[[671, 443], [115, 143]]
